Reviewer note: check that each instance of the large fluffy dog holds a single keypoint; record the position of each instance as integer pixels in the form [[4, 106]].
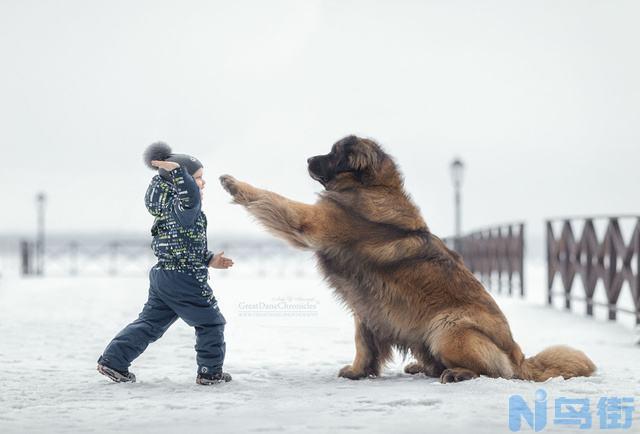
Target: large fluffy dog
[[406, 289]]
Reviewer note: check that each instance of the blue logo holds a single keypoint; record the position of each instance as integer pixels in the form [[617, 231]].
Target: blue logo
[[612, 412]]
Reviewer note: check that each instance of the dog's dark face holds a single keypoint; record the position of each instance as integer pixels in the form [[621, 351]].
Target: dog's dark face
[[351, 157]]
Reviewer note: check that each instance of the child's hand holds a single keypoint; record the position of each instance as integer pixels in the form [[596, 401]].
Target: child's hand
[[166, 165], [220, 262]]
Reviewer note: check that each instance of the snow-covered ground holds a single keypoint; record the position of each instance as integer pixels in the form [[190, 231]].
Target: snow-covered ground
[[286, 340]]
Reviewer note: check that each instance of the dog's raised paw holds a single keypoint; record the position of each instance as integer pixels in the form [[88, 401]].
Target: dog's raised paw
[[230, 184]]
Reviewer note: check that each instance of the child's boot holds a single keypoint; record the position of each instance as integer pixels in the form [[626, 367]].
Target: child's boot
[[209, 379], [116, 375]]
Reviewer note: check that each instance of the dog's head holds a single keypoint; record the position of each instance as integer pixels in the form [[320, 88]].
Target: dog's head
[[351, 159]]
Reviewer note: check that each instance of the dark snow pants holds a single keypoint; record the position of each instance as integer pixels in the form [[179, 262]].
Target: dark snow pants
[[172, 295]]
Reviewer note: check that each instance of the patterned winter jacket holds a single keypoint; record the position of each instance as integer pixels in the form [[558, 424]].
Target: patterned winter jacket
[[180, 228]]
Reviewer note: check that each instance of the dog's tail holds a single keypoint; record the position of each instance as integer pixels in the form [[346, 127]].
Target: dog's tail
[[556, 361]]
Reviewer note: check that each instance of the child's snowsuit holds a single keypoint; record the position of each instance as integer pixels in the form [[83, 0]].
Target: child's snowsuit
[[178, 282]]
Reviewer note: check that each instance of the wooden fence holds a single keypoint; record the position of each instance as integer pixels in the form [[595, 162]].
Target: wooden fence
[[608, 259], [496, 255]]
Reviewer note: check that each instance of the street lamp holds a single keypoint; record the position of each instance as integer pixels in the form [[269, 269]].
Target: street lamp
[[457, 170]]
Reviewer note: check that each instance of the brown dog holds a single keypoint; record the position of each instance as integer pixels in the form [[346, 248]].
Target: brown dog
[[406, 289]]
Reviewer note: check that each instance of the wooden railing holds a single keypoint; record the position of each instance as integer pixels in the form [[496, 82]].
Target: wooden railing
[[135, 257], [496, 255], [608, 259]]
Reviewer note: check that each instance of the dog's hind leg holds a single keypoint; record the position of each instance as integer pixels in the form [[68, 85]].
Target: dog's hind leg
[[430, 370], [468, 353], [414, 368], [371, 354], [425, 364]]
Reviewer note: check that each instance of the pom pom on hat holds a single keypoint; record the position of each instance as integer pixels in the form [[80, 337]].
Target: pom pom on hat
[[161, 151], [156, 151]]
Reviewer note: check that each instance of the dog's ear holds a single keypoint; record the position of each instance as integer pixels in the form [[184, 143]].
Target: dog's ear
[[364, 155]]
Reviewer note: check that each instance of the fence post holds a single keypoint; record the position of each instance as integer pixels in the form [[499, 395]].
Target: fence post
[[635, 285], [551, 272], [610, 271], [25, 258], [588, 230], [498, 258], [521, 249], [41, 200], [566, 268]]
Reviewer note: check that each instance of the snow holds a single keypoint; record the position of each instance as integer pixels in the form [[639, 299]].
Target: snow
[[284, 364]]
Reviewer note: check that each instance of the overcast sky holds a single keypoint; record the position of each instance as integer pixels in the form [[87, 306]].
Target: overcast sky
[[540, 98]]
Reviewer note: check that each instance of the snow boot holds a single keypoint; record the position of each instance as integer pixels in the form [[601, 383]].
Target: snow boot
[[209, 379], [115, 375]]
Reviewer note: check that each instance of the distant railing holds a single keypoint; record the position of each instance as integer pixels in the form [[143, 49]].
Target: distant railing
[[134, 257], [496, 255], [610, 260], [72, 258]]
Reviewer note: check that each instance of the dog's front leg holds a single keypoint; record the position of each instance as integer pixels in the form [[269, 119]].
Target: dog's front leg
[[371, 354], [302, 225]]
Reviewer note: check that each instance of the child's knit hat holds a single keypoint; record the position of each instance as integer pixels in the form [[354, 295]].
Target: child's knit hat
[[162, 151]]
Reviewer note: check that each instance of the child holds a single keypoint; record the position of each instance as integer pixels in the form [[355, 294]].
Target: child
[[178, 282]]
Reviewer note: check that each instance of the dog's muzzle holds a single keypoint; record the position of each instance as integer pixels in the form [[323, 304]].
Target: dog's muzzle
[[317, 171]]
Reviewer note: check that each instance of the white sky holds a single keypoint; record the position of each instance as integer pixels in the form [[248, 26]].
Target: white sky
[[540, 98]]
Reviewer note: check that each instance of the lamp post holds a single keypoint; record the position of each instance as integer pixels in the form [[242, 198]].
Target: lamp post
[[457, 170], [41, 200]]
